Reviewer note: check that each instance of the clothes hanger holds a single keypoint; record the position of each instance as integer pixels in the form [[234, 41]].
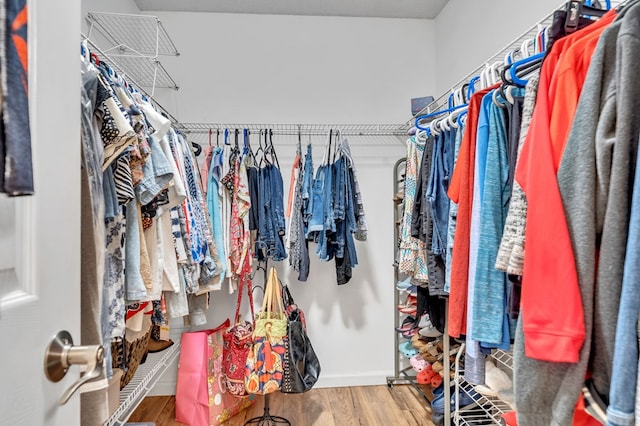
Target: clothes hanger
[[419, 118], [210, 137], [272, 150], [533, 61]]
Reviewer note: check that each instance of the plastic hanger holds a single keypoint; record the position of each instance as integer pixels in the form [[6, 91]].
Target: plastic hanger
[[535, 59], [210, 137], [434, 114]]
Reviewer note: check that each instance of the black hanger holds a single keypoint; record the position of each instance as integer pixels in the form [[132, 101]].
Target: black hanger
[[575, 10], [272, 150], [197, 148]]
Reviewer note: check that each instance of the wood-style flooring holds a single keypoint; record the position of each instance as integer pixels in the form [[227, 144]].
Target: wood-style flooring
[[355, 406]]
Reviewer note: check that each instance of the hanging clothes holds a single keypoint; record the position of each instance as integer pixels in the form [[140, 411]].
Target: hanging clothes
[[412, 251]]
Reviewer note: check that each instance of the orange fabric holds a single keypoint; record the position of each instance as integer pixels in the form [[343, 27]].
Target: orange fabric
[[292, 184], [552, 312], [461, 192], [580, 417]]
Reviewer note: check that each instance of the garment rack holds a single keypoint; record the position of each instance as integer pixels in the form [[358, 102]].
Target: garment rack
[[302, 129], [442, 103]]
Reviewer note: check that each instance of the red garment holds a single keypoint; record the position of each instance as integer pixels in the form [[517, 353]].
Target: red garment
[[552, 312], [292, 185], [461, 192]]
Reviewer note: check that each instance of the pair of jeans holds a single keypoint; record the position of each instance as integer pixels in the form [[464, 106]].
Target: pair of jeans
[[271, 226], [624, 378], [323, 196]]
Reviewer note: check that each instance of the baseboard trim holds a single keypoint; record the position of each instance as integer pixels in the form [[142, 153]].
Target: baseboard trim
[[366, 379], [164, 388]]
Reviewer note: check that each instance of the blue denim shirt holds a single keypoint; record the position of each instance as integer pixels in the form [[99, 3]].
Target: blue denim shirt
[[271, 222]]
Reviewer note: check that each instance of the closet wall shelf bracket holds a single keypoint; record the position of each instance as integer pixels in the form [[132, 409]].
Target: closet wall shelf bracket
[[143, 381]]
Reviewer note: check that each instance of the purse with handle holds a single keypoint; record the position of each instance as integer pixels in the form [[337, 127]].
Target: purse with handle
[[237, 344], [301, 364], [265, 362]]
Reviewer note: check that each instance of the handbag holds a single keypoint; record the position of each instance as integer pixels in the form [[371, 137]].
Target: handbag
[[201, 397], [265, 362], [301, 364], [237, 343]]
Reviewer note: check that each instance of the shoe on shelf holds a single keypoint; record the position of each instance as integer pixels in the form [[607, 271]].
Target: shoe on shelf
[[410, 333], [424, 321], [399, 196], [417, 341], [404, 284], [427, 329], [418, 363], [408, 323], [495, 381], [158, 345], [407, 349]]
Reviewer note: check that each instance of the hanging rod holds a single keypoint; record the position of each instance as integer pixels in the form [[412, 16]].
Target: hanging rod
[[104, 57], [514, 46], [303, 129]]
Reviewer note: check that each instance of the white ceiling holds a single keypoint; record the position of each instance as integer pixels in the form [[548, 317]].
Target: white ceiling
[[425, 9]]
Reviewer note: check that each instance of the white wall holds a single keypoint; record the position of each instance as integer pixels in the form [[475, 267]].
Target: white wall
[[470, 32], [286, 69], [111, 6], [297, 69]]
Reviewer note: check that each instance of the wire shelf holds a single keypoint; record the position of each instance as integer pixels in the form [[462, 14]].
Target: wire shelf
[[142, 382], [303, 129], [504, 359], [142, 35], [146, 72], [486, 410]]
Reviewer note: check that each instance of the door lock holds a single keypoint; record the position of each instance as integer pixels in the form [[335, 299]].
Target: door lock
[[61, 354]]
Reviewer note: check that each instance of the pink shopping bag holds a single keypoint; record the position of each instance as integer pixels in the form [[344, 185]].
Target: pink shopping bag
[[201, 397]]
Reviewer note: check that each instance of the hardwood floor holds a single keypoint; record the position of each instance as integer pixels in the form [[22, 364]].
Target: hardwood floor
[[356, 406]]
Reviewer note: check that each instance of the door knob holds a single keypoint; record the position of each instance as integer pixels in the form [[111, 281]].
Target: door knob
[[61, 354]]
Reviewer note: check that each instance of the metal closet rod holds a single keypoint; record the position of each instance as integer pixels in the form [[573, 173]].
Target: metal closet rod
[[105, 57], [442, 101], [302, 129]]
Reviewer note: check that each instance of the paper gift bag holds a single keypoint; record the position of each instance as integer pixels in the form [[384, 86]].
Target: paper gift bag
[[201, 396]]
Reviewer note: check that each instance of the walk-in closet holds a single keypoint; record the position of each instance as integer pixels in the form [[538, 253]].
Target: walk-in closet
[[319, 213]]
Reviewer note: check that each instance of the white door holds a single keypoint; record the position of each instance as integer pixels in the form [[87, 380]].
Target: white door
[[40, 235]]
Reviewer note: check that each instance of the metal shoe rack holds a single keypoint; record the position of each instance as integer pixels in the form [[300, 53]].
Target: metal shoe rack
[[403, 373]]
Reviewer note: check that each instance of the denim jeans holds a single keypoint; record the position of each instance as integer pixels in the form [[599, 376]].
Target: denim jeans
[[271, 225], [316, 201], [325, 200], [307, 189], [622, 394], [453, 216], [437, 189]]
